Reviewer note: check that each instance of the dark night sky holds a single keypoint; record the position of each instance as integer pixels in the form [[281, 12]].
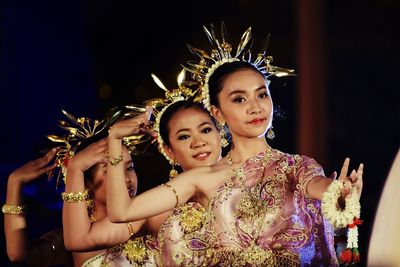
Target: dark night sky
[[68, 54]]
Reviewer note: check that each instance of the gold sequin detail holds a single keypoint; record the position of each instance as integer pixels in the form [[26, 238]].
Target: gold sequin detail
[[135, 250], [192, 219]]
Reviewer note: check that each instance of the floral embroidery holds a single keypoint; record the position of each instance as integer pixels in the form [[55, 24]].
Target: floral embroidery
[[264, 209], [186, 239], [191, 219]]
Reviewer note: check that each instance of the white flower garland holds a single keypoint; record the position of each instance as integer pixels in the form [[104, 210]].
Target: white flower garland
[[342, 218]]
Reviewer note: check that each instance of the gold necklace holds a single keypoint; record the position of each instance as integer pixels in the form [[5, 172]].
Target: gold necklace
[[251, 207]]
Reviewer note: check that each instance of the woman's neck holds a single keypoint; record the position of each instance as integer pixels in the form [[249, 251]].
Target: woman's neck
[[245, 148]]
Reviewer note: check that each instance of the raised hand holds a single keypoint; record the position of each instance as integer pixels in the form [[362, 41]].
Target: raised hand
[[34, 168], [89, 156], [354, 180], [130, 126]]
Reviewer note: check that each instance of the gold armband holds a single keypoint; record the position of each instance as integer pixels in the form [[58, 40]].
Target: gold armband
[[173, 190], [130, 228], [73, 197], [13, 209], [115, 160]]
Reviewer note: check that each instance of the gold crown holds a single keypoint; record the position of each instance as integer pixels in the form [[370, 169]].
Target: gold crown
[[221, 54], [82, 128], [160, 105]]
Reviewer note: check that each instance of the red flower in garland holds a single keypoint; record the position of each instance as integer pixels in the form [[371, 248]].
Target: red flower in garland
[[345, 256], [356, 255]]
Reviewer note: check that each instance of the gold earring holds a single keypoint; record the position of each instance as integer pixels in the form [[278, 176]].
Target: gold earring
[[270, 134], [222, 134], [173, 172]]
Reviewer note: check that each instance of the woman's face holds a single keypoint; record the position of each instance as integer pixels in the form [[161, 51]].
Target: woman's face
[[245, 104], [194, 139], [100, 174]]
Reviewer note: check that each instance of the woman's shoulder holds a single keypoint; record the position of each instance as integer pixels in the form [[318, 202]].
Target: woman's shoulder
[[295, 158]]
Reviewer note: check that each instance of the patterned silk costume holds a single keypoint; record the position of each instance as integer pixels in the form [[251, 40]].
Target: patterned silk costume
[[261, 216], [140, 251]]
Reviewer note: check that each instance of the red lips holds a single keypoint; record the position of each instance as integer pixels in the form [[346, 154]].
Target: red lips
[[256, 121]]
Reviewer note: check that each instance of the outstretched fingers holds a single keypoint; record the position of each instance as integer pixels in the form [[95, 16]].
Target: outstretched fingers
[[344, 170], [344, 178]]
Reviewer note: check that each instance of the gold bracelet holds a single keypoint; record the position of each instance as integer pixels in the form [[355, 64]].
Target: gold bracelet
[[130, 228], [114, 160], [13, 209], [176, 194], [72, 197]]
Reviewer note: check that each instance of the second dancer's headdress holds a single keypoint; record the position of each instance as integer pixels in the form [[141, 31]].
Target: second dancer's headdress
[[160, 105]]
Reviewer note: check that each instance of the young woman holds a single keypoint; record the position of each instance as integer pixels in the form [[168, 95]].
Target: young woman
[[263, 204], [188, 137], [191, 143], [47, 250]]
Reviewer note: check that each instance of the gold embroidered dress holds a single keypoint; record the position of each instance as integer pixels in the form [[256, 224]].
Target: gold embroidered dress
[[139, 251], [263, 216], [183, 239]]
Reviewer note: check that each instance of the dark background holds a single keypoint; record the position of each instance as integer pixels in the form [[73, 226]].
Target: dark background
[[87, 56]]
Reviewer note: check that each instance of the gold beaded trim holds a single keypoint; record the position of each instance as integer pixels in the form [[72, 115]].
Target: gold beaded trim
[[73, 197], [257, 256], [13, 209], [115, 160]]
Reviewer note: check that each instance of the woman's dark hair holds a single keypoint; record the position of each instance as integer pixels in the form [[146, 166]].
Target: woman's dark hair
[[219, 76], [172, 109]]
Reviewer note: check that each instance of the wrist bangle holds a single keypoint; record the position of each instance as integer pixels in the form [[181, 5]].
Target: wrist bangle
[[13, 209], [114, 160], [72, 197]]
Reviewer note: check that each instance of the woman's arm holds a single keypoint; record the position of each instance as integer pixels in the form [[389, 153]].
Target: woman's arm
[[80, 233], [160, 199], [15, 226], [318, 186], [153, 202]]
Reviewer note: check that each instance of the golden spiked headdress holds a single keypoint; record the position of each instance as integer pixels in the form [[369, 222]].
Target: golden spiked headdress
[[221, 53], [160, 105], [83, 128]]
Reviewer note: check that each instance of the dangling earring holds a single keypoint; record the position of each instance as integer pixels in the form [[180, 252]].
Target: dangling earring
[[222, 134], [173, 172], [270, 134]]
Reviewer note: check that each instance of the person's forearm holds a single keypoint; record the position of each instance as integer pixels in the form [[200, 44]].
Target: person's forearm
[[318, 186], [118, 199], [15, 226], [76, 222]]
